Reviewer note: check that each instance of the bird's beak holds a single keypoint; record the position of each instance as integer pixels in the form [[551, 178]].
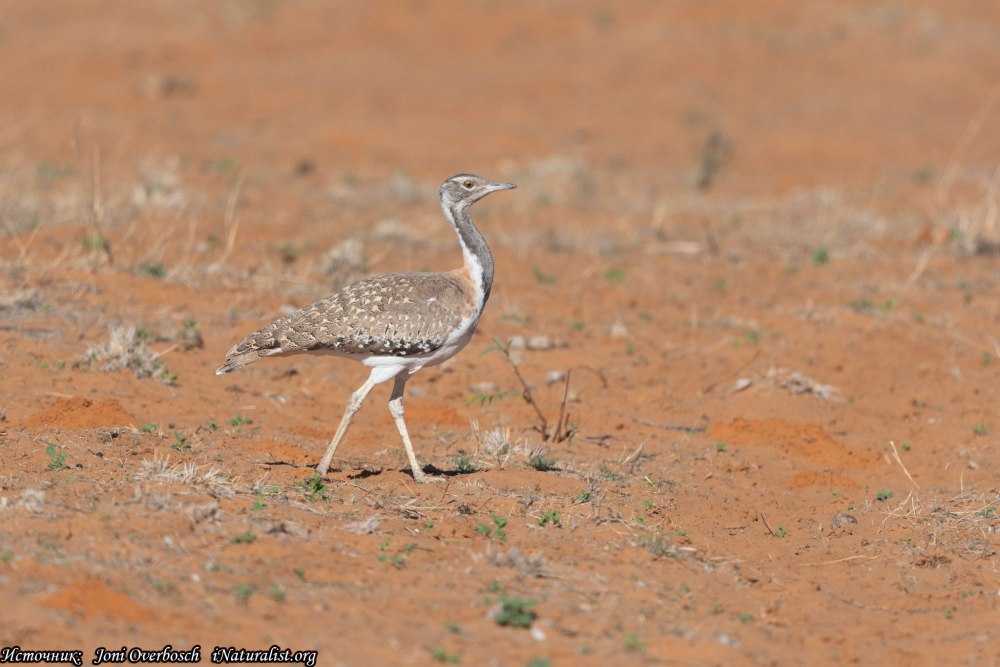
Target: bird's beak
[[502, 186]]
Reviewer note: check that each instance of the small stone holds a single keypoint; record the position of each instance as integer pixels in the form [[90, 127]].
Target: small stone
[[517, 343], [539, 342], [555, 376], [537, 633], [618, 329], [742, 384]]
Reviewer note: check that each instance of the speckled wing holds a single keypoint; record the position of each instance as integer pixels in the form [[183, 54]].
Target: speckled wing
[[400, 314]]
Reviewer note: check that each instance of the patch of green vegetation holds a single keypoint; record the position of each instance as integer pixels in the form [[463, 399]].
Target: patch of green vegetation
[[300, 573], [614, 275], [148, 427], [883, 495], [610, 475], [244, 591], [463, 464], [164, 587], [659, 546], [515, 612], [313, 488], [749, 338], [258, 505], [439, 654], [96, 243], [905, 446], [7, 556], [538, 662], [542, 277], [987, 359], [57, 458], [549, 517], [719, 285], [579, 325], [288, 252], [745, 618], [428, 525], [181, 443], [862, 305], [157, 270], [720, 447], [780, 532], [820, 256], [980, 429], [238, 421], [277, 593], [496, 531], [987, 513], [634, 643], [541, 462], [244, 538], [585, 496]]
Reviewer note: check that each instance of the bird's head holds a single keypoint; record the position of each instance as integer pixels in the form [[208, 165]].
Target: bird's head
[[464, 189]]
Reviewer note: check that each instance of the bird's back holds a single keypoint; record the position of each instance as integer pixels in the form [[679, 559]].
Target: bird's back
[[399, 314]]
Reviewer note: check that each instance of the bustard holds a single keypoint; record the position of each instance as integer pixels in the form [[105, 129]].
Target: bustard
[[394, 324]]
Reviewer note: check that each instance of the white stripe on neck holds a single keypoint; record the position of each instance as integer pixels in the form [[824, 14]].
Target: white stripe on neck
[[472, 263]]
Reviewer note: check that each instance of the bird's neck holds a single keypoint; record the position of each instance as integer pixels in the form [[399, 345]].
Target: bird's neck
[[478, 258]]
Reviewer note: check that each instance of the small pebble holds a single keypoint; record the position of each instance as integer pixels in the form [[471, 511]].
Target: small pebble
[[517, 343], [540, 342], [618, 329], [555, 376]]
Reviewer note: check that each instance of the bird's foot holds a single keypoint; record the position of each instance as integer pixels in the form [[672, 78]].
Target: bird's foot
[[421, 477]]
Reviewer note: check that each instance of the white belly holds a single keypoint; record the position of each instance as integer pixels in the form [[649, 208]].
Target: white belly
[[457, 340]]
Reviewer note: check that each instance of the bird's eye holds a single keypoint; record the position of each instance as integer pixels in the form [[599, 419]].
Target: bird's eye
[[467, 185]]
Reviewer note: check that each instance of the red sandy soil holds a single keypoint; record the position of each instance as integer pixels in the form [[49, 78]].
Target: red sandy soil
[[760, 237]]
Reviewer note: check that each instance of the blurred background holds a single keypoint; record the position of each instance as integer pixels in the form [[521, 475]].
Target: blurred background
[[735, 97]]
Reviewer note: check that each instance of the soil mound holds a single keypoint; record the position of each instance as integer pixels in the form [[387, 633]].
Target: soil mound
[[79, 413]]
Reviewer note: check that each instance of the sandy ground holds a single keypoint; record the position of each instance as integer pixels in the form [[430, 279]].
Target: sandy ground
[[758, 238]]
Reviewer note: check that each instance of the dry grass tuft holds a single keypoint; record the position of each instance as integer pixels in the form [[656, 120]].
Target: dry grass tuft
[[127, 348], [204, 478]]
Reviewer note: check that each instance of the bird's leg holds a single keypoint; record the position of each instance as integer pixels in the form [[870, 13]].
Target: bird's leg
[[396, 408], [357, 398]]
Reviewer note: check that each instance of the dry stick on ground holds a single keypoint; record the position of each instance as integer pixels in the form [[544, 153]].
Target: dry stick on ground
[[561, 431], [526, 390], [895, 455], [766, 524], [562, 412]]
